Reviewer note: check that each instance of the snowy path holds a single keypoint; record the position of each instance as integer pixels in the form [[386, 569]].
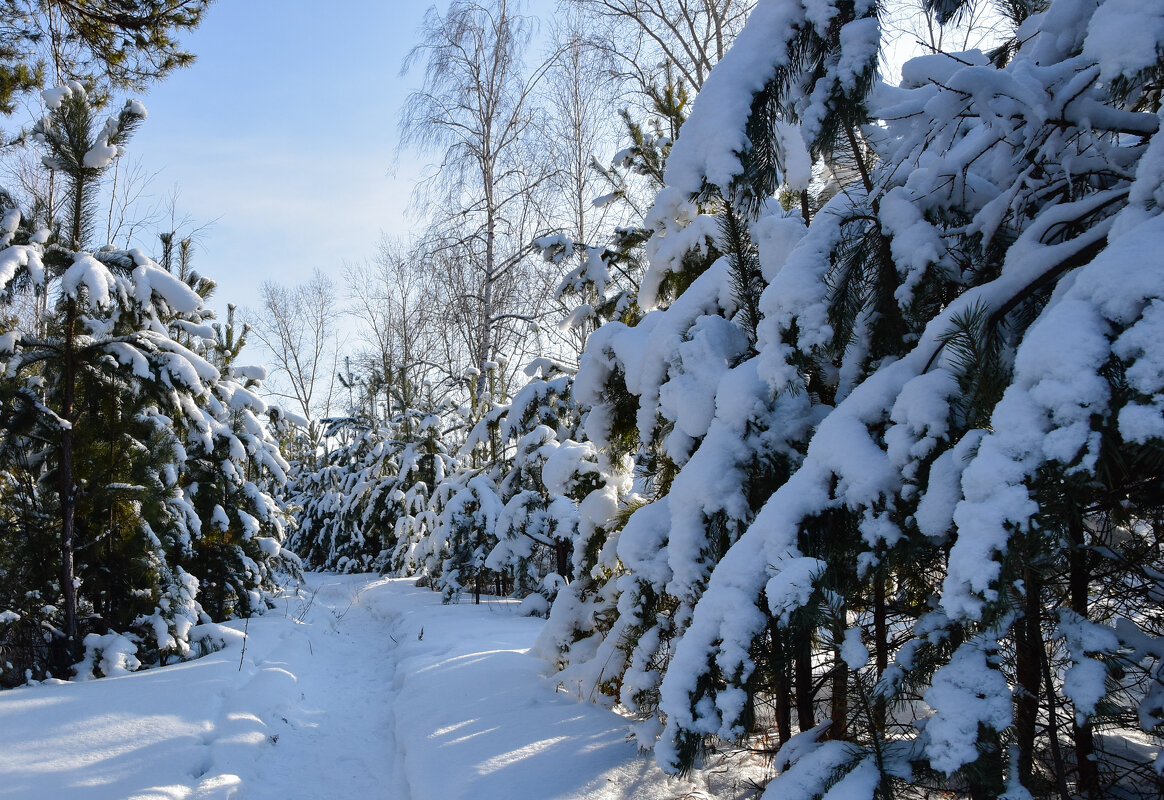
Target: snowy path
[[335, 740], [339, 695]]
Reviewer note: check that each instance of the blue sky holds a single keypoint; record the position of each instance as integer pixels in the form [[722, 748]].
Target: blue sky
[[283, 134]]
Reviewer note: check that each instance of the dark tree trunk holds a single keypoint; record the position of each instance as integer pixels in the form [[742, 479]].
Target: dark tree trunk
[[1028, 661], [1079, 579], [989, 779], [880, 643], [562, 555], [781, 685], [67, 491], [839, 702], [802, 649]]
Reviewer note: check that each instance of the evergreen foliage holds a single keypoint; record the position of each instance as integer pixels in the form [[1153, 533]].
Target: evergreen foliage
[[861, 466], [364, 505], [134, 458], [871, 478], [109, 45]]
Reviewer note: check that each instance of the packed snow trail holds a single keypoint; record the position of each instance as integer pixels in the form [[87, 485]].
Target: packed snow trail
[[332, 738], [300, 713], [356, 687], [475, 718]]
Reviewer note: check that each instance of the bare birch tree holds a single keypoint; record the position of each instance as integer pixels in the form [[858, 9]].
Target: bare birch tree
[[475, 109], [128, 210], [580, 97], [394, 299], [911, 28], [297, 325], [645, 36]]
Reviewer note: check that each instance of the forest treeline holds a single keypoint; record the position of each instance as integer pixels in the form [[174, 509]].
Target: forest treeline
[[822, 419]]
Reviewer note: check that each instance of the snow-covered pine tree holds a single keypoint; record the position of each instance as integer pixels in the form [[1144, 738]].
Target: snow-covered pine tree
[[106, 392], [467, 504], [552, 472], [337, 500], [424, 464], [28, 528], [976, 415], [366, 506], [675, 394], [105, 353], [232, 464]]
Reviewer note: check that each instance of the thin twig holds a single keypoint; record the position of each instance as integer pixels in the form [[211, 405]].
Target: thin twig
[[242, 655]]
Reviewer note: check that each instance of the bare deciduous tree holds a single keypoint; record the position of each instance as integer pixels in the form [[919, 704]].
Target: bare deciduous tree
[[581, 103], [297, 325], [911, 29], [393, 298], [644, 35], [128, 211], [475, 109]]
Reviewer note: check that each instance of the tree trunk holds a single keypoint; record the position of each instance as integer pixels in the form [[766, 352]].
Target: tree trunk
[[802, 647], [988, 781], [485, 334], [562, 556], [781, 685], [66, 483], [880, 643], [1029, 656], [839, 702], [1078, 579], [67, 492]]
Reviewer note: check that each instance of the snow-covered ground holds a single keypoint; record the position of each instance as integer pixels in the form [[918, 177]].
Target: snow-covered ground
[[358, 687]]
